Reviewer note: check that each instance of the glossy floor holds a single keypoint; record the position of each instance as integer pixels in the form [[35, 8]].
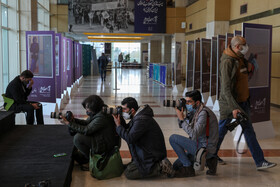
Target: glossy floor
[[240, 170]]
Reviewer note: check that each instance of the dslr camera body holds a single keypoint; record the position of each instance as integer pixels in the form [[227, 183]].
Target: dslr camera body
[[241, 119], [179, 104], [112, 110]]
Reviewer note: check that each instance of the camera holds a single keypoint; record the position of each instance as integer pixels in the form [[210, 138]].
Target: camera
[[112, 110], [68, 115], [180, 103], [241, 119]]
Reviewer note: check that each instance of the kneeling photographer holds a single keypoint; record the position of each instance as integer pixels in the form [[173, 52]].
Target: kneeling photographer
[[201, 125], [97, 132]]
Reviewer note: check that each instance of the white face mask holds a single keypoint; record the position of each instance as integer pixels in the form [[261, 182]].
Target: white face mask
[[245, 49], [126, 115]]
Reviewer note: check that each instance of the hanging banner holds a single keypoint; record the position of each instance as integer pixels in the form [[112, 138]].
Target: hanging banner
[[58, 68], [189, 67], [213, 67], [205, 50], [150, 16], [221, 40], [40, 58], [259, 39], [178, 65], [64, 64], [196, 67], [69, 62]]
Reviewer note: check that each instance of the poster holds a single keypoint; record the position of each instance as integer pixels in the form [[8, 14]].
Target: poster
[[178, 62], [69, 62], [213, 67], [64, 64], [259, 39], [205, 54], [40, 58], [221, 40], [114, 16], [196, 79], [237, 33], [190, 60], [229, 36], [150, 16]]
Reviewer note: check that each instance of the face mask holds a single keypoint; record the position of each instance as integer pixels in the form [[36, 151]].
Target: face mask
[[190, 108], [90, 114], [126, 115], [245, 49]]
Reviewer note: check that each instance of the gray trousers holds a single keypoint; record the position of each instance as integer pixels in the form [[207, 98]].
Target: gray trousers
[[132, 172], [83, 143]]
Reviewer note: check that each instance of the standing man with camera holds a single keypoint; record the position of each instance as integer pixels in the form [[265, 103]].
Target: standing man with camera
[[201, 125], [145, 140], [234, 97], [18, 90], [97, 133]]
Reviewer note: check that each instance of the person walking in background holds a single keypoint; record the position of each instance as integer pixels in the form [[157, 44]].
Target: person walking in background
[[102, 64]]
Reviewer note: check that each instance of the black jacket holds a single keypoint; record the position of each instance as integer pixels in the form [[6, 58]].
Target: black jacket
[[101, 127], [144, 138], [18, 92]]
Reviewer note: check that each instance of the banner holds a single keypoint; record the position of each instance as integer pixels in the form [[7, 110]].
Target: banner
[[229, 36], [237, 33], [69, 66], [190, 60], [40, 58], [114, 16], [58, 59], [213, 67], [205, 50], [221, 40], [259, 39], [196, 79], [64, 64], [178, 64], [150, 16]]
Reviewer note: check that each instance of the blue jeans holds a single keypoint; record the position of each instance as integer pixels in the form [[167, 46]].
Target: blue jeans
[[249, 134], [103, 73], [185, 148]]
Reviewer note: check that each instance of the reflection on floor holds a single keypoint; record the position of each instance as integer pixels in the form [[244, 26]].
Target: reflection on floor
[[240, 169]]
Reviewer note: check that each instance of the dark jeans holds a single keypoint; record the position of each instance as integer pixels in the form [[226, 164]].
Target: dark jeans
[[103, 73], [132, 172], [83, 143], [249, 134], [29, 109]]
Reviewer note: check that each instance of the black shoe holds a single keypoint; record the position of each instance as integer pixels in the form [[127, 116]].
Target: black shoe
[[79, 157], [212, 166], [167, 168], [185, 172]]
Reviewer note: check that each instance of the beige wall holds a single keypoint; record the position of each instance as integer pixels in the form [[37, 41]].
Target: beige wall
[[59, 17], [203, 12], [174, 18]]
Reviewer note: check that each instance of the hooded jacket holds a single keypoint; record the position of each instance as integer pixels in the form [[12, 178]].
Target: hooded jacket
[[145, 139], [228, 70]]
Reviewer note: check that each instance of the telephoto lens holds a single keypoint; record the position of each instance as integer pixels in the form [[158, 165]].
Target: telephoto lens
[[180, 103], [56, 115], [112, 110]]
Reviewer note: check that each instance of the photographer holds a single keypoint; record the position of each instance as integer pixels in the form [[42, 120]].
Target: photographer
[[18, 90], [234, 96], [96, 133], [145, 140], [195, 125]]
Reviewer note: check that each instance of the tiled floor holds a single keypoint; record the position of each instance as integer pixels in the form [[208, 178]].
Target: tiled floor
[[240, 169]]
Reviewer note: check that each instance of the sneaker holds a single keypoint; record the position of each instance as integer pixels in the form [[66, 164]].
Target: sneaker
[[185, 172], [212, 166], [167, 168], [221, 161], [265, 165]]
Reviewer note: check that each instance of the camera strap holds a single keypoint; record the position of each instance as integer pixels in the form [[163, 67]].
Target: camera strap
[[238, 141]]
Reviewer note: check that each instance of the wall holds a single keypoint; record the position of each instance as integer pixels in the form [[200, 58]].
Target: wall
[[58, 17]]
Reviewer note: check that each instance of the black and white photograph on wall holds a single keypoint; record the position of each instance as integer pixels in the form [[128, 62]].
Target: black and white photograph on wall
[[101, 16]]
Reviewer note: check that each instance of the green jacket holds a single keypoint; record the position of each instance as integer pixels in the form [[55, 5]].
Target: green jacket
[[228, 95], [101, 127]]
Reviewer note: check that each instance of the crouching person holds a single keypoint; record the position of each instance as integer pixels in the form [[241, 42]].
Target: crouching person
[[195, 125], [145, 140], [97, 132]]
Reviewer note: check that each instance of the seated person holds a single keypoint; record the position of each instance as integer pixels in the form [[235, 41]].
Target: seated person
[[195, 126], [97, 132], [18, 90], [145, 140]]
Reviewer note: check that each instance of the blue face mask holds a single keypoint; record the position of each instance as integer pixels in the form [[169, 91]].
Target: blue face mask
[[190, 108]]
